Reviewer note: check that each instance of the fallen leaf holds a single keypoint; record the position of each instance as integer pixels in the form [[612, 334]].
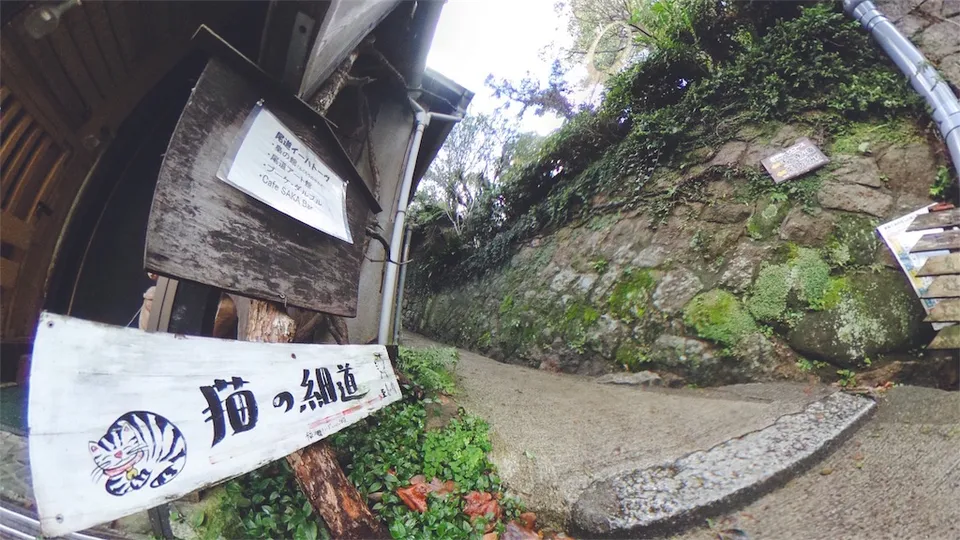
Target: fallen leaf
[[858, 464], [442, 488], [827, 471], [529, 520], [376, 496], [491, 536], [481, 503], [418, 479], [415, 497], [732, 534], [515, 531]]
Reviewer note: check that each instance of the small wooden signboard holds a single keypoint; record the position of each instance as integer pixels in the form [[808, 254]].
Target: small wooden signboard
[[799, 159], [257, 197], [123, 420]]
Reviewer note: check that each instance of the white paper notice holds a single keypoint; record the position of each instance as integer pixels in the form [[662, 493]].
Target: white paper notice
[[275, 167]]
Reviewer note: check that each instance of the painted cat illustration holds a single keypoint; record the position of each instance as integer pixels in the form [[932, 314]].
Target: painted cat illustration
[[139, 447]]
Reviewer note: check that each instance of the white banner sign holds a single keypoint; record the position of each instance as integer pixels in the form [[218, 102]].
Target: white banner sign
[[269, 163], [123, 420]]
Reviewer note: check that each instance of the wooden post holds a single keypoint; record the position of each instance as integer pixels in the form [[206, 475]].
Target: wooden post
[[318, 474]]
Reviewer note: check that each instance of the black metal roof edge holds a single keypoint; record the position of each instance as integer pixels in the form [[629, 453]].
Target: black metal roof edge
[[209, 41]]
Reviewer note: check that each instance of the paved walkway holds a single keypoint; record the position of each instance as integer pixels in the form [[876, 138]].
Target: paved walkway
[[898, 477], [556, 435]]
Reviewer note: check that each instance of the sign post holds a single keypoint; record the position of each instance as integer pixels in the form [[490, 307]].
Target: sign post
[[123, 420]]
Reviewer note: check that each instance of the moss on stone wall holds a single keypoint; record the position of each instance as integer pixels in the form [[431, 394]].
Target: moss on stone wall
[[805, 274], [718, 316], [630, 295]]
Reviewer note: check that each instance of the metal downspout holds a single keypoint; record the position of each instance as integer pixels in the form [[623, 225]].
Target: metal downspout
[[923, 77], [398, 308], [388, 299]]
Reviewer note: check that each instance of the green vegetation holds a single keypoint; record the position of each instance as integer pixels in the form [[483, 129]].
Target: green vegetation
[[629, 298], [861, 137], [848, 378], [806, 275], [383, 452], [718, 67], [431, 368], [266, 503], [853, 242], [632, 356], [767, 218], [943, 184], [768, 301], [718, 316]]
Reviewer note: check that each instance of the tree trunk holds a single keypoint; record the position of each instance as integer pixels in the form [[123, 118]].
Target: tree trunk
[[319, 475]]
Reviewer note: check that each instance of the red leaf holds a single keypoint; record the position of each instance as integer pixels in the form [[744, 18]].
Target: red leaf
[[529, 520], [415, 497], [515, 531], [481, 503]]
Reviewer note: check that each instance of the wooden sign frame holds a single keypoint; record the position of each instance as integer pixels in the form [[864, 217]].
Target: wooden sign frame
[[204, 230]]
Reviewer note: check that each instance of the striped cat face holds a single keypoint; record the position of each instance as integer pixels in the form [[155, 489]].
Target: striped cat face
[[119, 450]]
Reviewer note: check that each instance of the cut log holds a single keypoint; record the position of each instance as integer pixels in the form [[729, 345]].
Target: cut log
[[948, 339], [946, 310], [936, 220], [943, 287], [332, 494], [938, 241], [318, 474], [939, 265]]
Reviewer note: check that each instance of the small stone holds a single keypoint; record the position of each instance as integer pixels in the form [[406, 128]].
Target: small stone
[[726, 212], [676, 289], [854, 198], [642, 378], [859, 170], [827, 471], [939, 41], [745, 262], [804, 229], [729, 154], [909, 168], [651, 256]]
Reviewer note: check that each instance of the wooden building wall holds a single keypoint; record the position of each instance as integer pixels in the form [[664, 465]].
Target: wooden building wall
[[62, 97]]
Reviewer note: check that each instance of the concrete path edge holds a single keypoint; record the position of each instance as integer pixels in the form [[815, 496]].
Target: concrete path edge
[[668, 498]]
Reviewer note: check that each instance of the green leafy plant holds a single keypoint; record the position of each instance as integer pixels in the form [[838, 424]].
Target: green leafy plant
[[942, 184], [430, 368], [848, 378], [267, 503]]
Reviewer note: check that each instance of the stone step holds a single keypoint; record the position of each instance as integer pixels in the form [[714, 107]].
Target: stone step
[[662, 499], [939, 265], [936, 220]]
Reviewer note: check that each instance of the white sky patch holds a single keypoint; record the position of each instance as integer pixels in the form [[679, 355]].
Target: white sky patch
[[504, 37]]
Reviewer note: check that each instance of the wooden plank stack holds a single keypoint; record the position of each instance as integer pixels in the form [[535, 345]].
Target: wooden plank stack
[[945, 271]]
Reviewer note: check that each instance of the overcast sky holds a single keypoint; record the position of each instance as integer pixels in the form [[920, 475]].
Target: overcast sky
[[503, 37]]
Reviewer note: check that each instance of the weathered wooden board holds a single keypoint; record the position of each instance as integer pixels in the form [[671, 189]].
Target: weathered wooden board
[[943, 287], [122, 420], [939, 265], [946, 310], [938, 241], [936, 220], [205, 230], [948, 339]]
